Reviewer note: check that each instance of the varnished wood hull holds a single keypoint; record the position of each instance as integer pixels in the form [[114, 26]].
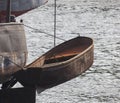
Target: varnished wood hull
[[77, 55]]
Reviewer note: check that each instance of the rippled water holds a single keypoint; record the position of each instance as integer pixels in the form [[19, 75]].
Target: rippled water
[[98, 19]]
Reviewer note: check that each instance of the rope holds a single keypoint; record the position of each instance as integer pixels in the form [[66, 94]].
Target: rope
[[55, 11], [44, 32]]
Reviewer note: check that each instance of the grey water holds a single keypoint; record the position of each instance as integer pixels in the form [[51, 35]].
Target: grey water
[[98, 19]]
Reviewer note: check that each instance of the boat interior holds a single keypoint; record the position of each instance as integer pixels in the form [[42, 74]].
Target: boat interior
[[63, 52], [67, 52]]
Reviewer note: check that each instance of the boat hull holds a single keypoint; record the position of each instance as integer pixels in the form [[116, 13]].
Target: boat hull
[[19, 7], [50, 75]]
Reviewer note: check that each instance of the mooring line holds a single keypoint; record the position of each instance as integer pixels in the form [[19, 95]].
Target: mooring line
[[55, 22], [44, 32]]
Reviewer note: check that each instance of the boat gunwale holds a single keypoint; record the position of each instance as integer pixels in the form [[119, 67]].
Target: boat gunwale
[[63, 62], [45, 66], [11, 23]]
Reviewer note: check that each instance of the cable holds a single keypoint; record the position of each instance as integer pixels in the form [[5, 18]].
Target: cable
[[55, 11], [44, 32]]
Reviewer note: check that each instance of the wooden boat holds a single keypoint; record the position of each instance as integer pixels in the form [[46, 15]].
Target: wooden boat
[[60, 64], [18, 7]]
